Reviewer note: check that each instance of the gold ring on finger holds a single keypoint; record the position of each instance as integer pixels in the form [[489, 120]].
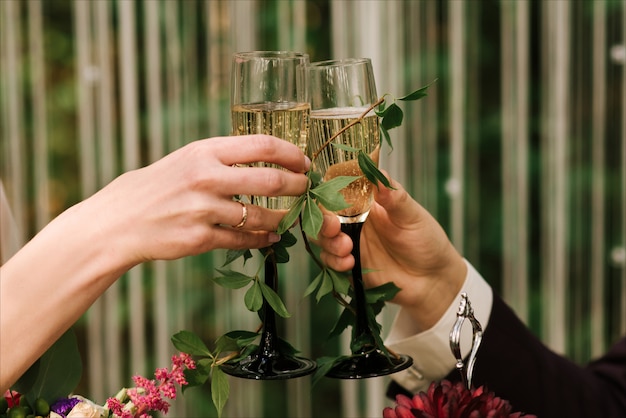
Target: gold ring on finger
[[244, 215]]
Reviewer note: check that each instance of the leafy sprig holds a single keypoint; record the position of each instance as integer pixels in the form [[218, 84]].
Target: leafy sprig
[[258, 290], [227, 347], [391, 115], [306, 208]]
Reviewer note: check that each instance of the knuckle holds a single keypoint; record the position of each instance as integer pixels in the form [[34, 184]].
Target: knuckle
[[199, 177], [196, 240], [264, 145], [243, 240], [274, 182], [194, 178]]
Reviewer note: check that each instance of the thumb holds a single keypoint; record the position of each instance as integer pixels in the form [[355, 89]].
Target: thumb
[[400, 207]]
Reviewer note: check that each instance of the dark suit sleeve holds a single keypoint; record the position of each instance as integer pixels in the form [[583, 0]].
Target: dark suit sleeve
[[515, 365]]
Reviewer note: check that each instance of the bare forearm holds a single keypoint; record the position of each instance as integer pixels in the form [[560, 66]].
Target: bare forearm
[[49, 284], [181, 205]]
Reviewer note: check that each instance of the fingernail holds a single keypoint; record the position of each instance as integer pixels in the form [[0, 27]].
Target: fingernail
[[307, 163], [274, 237]]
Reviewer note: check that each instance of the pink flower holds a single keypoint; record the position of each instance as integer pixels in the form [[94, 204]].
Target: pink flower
[[447, 400], [148, 395]]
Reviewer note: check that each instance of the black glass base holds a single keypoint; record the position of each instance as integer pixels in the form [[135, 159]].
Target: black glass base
[[370, 364], [272, 367]]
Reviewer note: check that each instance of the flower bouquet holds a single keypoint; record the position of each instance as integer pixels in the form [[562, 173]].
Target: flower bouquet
[[43, 390]]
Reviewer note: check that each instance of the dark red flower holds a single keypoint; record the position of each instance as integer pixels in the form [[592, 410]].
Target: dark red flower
[[12, 397], [448, 400]]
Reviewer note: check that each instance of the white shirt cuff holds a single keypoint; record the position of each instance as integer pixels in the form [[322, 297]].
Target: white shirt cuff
[[430, 349]]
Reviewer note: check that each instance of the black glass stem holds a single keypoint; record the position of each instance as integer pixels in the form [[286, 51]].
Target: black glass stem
[[367, 359], [268, 361]]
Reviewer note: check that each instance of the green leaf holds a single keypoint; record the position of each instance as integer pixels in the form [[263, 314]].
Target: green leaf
[[383, 292], [326, 287], [242, 338], [285, 348], [235, 341], [190, 343], [376, 328], [315, 177], [418, 94], [247, 351], [345, 320], [232, 279], [253, 298], [314, 284], [281, 255], [59, 370], [199, 375], [331, 202], [226, 344], [287, 240], [27, 380], [341, 282], [371, 171], [220, 390], [274, 300], [345, 147], [362, 342], [324, 365], [377, 307], [312, 218], [292, 215], [232, 255], [333, 186], [385, 133], [276, 252], [392, 117], [329, 194]]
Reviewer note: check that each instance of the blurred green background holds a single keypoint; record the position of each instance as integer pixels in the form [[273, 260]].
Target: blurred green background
[[519, 150]]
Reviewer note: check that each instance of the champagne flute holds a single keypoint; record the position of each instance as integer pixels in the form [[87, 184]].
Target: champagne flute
[[342, 96], [269, 96]]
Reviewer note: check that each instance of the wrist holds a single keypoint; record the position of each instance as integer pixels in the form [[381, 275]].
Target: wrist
[[110, 223], [92, 243], [442, 287], [430, 348]]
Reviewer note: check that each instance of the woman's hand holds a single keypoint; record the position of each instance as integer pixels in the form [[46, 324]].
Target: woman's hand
[[183, 204]]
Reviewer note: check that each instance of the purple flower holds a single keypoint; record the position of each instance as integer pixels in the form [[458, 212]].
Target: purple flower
[[64, 405]]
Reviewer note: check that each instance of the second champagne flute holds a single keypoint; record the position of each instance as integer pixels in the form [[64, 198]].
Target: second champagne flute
[[344, 131], [269, 96]]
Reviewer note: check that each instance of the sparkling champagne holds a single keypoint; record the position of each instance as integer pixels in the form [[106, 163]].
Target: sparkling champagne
[[333, 161], [286, 120]]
